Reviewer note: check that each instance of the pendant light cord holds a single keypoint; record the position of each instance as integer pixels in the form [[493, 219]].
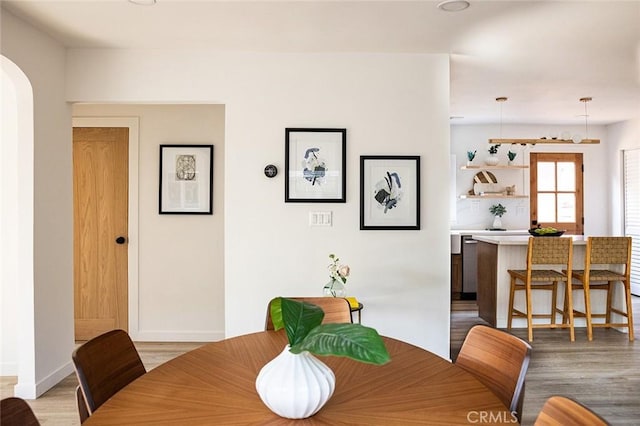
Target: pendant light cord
[[586, 115]]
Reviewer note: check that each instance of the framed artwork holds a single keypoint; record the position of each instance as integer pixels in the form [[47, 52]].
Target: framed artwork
[[315, 164], [390, 192], [186, 179]]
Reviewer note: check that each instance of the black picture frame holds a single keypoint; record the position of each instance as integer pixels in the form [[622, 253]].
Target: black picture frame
[[186, 179], [316, 165], [389, 192]]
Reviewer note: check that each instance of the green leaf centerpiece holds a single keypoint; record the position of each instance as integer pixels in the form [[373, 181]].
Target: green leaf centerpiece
[[303, 324]]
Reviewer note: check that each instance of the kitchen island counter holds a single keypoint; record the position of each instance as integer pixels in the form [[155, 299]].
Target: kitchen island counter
[[523, 240], [497, 254]]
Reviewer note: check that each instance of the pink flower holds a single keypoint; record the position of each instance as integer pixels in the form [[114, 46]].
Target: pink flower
[[344, 270], [338, 271]]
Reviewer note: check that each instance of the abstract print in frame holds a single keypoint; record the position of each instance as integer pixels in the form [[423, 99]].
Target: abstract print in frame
[[315, 163], [186, 179], [389, 192]]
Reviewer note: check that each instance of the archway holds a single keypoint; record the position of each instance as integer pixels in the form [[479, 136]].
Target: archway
[[17, 324]]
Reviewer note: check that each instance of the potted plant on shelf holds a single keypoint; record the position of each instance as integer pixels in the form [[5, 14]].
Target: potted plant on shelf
[[497, 210], [470, 156], [296, 384], [512, 156], [492, 159]]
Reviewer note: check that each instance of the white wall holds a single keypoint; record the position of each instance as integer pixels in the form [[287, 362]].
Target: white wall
[[45, 349], [390, 104], [180, 282], [474, 213], [624, 135]]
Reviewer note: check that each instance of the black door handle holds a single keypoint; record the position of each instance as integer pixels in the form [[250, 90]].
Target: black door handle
[[121, 240]]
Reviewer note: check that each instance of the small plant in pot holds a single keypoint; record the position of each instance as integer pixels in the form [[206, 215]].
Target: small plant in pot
[[470, 156], [497, 210], [296, 384], [492, 159]]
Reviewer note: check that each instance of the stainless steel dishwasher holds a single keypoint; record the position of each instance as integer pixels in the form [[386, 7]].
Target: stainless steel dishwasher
[[469, 268]]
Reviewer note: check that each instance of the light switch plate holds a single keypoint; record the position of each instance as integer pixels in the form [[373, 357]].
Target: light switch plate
[[320, 218]]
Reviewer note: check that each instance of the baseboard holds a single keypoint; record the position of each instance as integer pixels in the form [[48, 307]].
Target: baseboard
[[34, 390], [177, 336]]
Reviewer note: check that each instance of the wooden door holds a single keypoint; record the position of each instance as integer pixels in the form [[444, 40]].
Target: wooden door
[[556, 191], [100, 211]]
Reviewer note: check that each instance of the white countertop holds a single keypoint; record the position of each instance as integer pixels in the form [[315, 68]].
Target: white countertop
[[522, 240], [487, 232], [456, 236]]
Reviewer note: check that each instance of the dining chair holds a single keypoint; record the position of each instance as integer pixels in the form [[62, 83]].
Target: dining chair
[[336, 309], [541, 252], [563, 411], [83, 411], [605, 252], [16, 412], [499, 360], [104, 365]]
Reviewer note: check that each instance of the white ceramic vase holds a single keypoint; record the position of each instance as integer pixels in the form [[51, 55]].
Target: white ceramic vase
[[492, 160], [497, 223], [295, 386]]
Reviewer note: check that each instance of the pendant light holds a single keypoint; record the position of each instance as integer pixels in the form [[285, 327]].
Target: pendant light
[[577, 139]]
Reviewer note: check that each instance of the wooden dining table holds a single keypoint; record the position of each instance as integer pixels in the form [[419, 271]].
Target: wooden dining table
[[215, 385]]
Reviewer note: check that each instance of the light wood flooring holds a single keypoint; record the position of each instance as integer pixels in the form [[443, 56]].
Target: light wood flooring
[[603, 374]]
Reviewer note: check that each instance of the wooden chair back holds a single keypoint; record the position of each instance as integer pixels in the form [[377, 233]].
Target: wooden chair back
[[550, 251], [16, 412], [104, 365], [83, 411], [499, 360], [336, 309], [562, 411], [608, 251]]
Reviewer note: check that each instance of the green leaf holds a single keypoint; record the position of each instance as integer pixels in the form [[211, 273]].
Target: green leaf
[[276, 313], [354, 341], [299, 319]]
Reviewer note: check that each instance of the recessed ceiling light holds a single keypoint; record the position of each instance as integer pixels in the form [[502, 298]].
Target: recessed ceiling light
[[453, 5], [143, 2]]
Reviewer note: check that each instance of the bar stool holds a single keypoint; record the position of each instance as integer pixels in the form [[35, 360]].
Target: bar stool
[[605, 251], [544, 251]]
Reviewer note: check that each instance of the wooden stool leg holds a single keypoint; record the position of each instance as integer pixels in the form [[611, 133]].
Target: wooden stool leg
[[529, 311], [607, 318], [587, 310], [512, 292], [554, 302], [627, 295], [569, 299]]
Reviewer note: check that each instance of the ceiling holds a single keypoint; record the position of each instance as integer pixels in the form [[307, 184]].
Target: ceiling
[[543, 55]]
